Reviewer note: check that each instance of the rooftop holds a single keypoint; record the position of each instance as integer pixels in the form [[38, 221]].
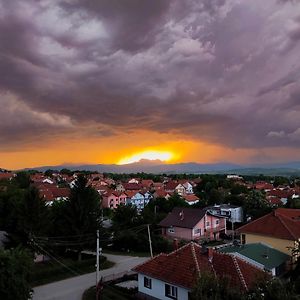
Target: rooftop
[[261, 253], [282, 223], [183, 266]]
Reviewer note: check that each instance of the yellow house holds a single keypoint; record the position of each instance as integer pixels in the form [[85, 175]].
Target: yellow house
[[279, 229]]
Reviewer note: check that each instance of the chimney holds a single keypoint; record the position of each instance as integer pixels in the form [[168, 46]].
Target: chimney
[[181, 215], [175, 244], [210, 254]]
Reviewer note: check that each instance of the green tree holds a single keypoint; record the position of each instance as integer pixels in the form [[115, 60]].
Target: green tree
[[31, 217], [256, 205], [125, 216], [15, 269], [210, 287], [22, 180], [274, 289], [82, 212]]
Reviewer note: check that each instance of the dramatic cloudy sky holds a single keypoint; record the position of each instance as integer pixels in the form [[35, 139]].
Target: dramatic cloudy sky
[[94, 80]]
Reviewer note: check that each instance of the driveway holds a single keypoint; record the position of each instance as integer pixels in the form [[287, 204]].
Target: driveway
[[73, 288]]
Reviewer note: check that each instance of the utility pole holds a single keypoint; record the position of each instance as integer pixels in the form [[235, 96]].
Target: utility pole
[[232, 229], [150, 243], [97, 260]]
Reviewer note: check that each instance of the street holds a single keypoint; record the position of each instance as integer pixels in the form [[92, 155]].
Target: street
[[73, 288]]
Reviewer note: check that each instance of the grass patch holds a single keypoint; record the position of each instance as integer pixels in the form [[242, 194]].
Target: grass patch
[[51, 271], [109, 293]]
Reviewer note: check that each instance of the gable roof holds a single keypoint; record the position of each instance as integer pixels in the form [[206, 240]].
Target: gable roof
[[183, 267], [183, 217], [190, 198], [282, 223], [171, 185]]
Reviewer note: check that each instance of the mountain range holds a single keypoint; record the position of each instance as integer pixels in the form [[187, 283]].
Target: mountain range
[[158, 167]]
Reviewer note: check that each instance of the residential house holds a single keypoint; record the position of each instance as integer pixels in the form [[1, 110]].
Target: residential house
[[170, 186], [282, 194], [158, 186], [147, 184], [7, 176], [263, 186], [161, 194], [112, 199], [41, 178], [173, 275], [190, 199], [120, 187], [231, 212], [134, 180], [234, 177], [280, 229], [192, 224], [138, 199], [260, 255], [187, 185], [132, 186], [51, 193]]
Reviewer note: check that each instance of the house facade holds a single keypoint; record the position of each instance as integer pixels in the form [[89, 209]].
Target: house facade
[[231, 212], [138, 199], [192, 224], [173, 275], [280, 229], [113, 199], [159, 289]]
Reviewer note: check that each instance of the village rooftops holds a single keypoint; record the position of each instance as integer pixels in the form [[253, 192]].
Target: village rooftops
[[260, 253], [282, 223], [183, 267]]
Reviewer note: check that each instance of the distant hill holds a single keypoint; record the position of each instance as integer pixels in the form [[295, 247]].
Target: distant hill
[[158, 167]]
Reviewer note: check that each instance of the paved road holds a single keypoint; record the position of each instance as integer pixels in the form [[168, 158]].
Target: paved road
[[73, 288]]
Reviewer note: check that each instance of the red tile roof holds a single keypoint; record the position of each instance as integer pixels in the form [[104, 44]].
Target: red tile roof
[[183, 267], [6, 175], [191, 198], [171, 185], [132, 186], [283, 223]]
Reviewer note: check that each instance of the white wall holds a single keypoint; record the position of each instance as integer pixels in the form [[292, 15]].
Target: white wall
[[158, 289]]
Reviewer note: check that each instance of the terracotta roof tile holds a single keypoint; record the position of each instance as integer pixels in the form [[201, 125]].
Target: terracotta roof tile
[[282, 223], [183, 267]]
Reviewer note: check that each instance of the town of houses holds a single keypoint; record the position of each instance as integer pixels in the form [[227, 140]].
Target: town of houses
[[264, 244]]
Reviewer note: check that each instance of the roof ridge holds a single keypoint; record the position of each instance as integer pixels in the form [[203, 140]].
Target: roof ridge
[[239, 272], [150, 258], [254, 221], [284, 224], [195, 257], [181, 248]]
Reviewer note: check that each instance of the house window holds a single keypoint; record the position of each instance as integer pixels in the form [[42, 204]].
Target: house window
[[243, 239], [147, 283], [171, 230], [170, 291], [197, 231], [217, 222], [207, 224]]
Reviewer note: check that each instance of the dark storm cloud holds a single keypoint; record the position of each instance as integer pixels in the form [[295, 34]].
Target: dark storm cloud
[[225, 71], [132, 24]]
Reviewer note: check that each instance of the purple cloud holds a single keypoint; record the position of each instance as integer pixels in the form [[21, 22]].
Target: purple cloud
[[223, 71]]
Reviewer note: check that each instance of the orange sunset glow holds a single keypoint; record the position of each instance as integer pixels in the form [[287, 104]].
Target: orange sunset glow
[[163, 156]]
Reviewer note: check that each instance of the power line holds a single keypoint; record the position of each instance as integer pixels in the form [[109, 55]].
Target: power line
[[61, 263]]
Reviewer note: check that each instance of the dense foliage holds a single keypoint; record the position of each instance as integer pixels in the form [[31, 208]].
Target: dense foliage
[[15, 270]]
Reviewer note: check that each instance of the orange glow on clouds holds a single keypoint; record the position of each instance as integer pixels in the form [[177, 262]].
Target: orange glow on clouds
[[149, 155]]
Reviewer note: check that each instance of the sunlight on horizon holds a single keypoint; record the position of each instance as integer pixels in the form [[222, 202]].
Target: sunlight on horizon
[[149, 155]]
